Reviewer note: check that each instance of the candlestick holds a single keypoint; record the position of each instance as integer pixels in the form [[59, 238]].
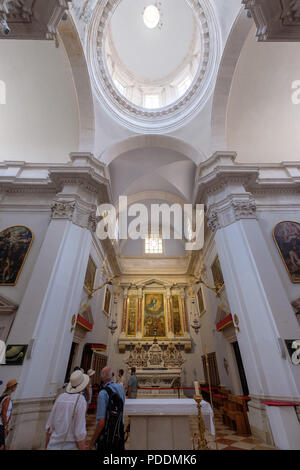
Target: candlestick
[[197, 391]]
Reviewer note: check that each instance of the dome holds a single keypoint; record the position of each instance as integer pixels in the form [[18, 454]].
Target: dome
[[153, 63]]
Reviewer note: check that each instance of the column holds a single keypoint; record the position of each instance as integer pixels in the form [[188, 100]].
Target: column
[[169, 314], [258, 298], [139, 313], [125, 305], [184, 312], [53, 298]]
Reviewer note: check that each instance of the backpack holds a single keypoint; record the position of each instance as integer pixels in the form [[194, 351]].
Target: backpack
[[111, 438]]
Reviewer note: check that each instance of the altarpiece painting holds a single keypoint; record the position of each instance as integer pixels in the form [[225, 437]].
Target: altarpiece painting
[[287, 238], [217, 273], [106, 303], [90, 274], [176, 315], [132, 315], [15, 243], [154, 316]]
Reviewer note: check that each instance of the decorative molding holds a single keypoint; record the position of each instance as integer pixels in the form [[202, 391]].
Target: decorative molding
[[230, 210], [63, 210], [32, 19], [276, 20]]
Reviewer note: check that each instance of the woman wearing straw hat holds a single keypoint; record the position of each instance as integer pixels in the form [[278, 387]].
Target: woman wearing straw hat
[[5, 410], [66, 426]]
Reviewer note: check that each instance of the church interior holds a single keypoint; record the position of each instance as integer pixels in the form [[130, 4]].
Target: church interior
[[169, 103]]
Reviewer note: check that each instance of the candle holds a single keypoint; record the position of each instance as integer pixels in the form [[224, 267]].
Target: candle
[[196, 385]]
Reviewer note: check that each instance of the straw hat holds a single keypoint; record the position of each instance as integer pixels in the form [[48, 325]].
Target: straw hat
[[91, 372], [78, 382], [11, 383]]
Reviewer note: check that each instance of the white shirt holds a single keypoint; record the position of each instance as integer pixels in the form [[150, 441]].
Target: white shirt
[[2, 352], [62, 421]]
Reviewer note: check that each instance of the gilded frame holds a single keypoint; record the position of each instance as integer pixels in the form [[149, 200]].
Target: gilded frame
[[128, 314], [201, 311], [180, 315], [25, 257], [91, 263], [213, 267], [293, 280], [107, 301], [164, 305]]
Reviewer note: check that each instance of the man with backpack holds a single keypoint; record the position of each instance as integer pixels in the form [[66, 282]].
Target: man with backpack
[[109, 433]]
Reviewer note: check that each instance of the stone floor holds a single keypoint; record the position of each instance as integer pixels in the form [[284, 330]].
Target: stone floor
[[226, 439]]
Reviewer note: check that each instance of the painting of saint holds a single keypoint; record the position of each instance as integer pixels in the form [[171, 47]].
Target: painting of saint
[[90, 274], [287, 239], [132, 315], [200, 301], [106, 303], [176, 318], [15, 243], [154, 316], [217, 273]]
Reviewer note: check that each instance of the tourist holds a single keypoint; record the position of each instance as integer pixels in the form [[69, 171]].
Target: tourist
[[89, 388], [5, 410], [120, 379], [132, 384], [111, 396], [66, 425]]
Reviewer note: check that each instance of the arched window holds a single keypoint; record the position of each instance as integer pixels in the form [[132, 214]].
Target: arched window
[[2, 92]]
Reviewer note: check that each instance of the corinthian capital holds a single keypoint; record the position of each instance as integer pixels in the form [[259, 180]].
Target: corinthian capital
[[63, 210], [231, 209]]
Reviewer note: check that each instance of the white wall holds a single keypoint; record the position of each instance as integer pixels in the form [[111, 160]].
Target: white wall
[[39, 122], [262, 121]]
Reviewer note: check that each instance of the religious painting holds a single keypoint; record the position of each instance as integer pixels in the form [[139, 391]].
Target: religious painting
[[287, 239], [90, 274], [15, 354], [200, 299], [132, 315], [176, 316], [15, 243], [217, 273], [106, 303], [154, 315]]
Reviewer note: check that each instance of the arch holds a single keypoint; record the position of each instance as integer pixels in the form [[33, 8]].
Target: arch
[[152, 140], [234, 45], [2, 92], [69, 35]]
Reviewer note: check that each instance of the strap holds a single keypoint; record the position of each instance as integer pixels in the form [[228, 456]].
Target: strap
[[69, 427]]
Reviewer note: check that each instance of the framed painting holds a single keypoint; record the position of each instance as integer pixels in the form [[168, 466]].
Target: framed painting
[[15, 243], [176, 315], [132, 315], [90, 274], [286, 235], [106, 302], [154, 322], [15, 354], [217, 273], [201, 307]]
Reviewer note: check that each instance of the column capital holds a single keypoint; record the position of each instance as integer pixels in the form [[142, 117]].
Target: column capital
[[231, 209], [77, 211]]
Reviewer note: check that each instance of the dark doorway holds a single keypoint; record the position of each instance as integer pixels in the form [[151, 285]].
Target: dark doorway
[[86, 360], [241, 369], [71, 358]]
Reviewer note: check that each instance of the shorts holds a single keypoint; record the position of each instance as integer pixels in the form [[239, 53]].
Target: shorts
[[2, 435]]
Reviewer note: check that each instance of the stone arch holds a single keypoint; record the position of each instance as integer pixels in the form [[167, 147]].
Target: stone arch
[[152, 140], [69, 35], [234, 45]]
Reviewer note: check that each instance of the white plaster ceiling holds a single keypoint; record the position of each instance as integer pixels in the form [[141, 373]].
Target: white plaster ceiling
[[152, 53]]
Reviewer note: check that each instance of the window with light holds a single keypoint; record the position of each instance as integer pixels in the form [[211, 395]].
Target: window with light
[[153, 244]]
